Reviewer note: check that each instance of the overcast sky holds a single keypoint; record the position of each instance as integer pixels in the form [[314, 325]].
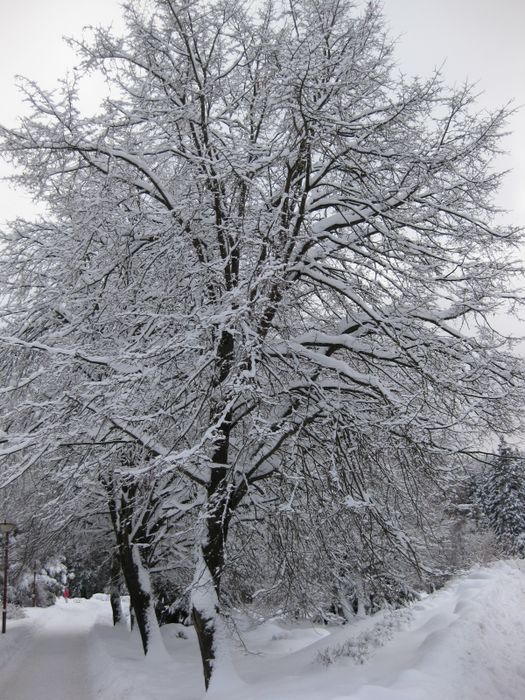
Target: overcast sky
[[482, 40], [479, 40]]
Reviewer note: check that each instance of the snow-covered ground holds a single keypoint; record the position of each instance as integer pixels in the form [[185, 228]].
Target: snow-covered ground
[[466, 642]]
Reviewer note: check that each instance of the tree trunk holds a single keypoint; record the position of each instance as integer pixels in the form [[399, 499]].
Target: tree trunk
[[347, 607], [209, 625], [206, 588], [136, 576], [141, 599], [204, 615], [221, 503], [116, 607], [114, 593]]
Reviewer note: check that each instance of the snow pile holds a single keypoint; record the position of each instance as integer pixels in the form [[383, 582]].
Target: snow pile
[[466, 642]]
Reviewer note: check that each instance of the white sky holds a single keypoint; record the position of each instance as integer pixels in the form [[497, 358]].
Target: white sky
[[482, 40], [479, 39]]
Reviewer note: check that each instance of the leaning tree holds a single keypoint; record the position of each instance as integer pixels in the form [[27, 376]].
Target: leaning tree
[[265, 244]]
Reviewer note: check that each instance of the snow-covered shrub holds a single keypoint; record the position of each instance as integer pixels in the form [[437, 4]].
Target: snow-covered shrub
[[172, 604], [15, 612], [361, 647], [44, 585]]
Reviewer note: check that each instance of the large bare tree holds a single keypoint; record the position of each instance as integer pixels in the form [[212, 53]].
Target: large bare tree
[[266, 245]]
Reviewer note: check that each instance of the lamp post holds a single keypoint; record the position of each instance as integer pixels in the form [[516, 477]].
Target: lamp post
[[6, 528]]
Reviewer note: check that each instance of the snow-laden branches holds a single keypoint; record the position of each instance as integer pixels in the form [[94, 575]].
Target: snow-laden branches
[[264, 245]]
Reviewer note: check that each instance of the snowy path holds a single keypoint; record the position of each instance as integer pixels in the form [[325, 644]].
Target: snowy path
[[54, 661]]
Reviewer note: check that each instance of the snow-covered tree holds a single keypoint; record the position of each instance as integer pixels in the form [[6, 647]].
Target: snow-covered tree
[[500, 497], [266, 250]]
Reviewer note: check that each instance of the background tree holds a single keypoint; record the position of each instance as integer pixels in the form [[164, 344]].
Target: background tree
[[500, 497]]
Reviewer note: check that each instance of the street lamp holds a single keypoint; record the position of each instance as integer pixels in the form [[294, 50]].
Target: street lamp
[[6, 528]]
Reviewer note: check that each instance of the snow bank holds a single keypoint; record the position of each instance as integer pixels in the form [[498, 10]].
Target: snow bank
[[466, 642]]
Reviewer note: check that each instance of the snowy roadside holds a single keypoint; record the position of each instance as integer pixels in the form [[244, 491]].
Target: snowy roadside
[[465, 642]]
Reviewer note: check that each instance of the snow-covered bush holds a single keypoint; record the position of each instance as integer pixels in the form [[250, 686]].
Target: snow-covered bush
[[360, 647], [15, 612], [172, 604], [43, 585]]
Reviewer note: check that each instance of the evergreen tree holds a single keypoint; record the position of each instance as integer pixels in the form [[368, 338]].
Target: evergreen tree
[[501, 499]]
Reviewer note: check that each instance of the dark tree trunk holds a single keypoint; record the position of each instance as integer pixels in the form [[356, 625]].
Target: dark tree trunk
[[135, 575], [206, 629], [116, 607], [221, 503], [141, 599], [114, 595], [206, 613]]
